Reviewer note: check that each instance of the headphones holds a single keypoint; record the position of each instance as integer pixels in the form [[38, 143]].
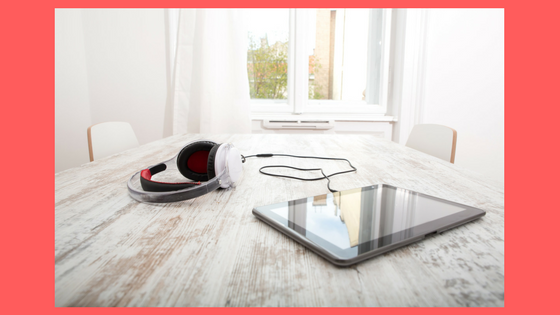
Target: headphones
[[208, 164], [211, 166]]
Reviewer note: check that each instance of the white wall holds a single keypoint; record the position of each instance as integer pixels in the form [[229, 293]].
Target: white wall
[[464, 84], [110, 65], [72, 104]]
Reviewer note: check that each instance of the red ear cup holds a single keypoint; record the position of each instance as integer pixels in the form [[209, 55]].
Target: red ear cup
[[192, 161], [210, 169]]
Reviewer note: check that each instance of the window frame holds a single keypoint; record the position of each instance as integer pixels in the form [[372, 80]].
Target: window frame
[[298, 64]]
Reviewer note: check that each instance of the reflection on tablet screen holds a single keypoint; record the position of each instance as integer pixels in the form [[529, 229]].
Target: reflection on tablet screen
[[349, 218]]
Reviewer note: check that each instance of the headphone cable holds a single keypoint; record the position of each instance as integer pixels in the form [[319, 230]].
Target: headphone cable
[[243, 158]]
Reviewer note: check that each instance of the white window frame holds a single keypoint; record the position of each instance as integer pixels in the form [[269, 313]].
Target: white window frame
[[298, 65]]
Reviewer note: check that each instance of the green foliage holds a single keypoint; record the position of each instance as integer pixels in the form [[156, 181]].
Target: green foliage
[[314, 91], [267, 67]]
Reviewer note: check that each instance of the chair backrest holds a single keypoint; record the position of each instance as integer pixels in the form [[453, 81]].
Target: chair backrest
[[437, 140], [108, 138]]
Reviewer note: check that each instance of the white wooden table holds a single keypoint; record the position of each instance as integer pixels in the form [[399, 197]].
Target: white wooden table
[[111, 250]]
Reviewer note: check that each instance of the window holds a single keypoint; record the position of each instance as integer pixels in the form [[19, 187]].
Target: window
[[267, 53], [318, 60]]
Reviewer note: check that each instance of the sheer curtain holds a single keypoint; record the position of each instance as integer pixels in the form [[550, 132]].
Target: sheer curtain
[[211, 92]]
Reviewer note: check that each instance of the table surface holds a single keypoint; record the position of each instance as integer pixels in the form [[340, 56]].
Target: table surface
[[111, 250]]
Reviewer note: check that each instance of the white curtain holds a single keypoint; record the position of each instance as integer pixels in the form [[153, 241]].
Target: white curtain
[[211, 85]]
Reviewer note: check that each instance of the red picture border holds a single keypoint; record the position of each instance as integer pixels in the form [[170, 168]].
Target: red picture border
[[531, 67]]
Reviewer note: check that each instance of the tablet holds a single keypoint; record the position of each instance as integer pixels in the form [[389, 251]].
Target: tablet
[[350, 226]]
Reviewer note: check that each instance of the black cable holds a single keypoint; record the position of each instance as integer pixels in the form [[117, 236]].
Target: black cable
[[301, 169]]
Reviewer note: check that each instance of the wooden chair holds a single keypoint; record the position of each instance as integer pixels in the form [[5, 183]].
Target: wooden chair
[[437, 140], [108, 138]]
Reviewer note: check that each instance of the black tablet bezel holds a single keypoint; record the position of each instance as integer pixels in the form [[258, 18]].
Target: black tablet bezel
[[344, 257]]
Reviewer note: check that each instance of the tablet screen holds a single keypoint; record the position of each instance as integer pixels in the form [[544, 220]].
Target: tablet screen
[[362, 219]]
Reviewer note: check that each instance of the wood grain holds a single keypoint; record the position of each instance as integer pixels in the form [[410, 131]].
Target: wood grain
[[211, 251]]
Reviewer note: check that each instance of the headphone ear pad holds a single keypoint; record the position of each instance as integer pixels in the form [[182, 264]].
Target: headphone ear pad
[[192, 160], [210, 169]]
